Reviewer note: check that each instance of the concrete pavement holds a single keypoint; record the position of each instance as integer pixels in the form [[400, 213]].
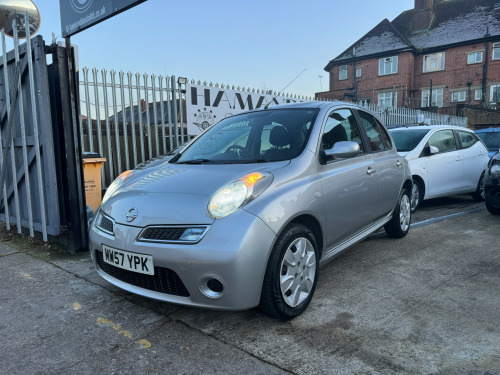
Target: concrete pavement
[[426, 304]]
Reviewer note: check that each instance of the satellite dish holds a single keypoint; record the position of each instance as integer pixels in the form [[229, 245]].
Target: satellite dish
[[11, 10]]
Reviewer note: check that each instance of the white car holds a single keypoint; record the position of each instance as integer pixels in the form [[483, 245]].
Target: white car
[[444, 160]]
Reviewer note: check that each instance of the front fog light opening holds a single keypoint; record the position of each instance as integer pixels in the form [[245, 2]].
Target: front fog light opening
[[211, 287]]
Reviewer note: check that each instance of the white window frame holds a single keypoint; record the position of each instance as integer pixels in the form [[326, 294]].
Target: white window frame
[[472, 57], [434, 62], [388, 65], [359, 72], [478, 94], [458, 96], [495, 54], [492, 88], [388, 99], [437, 97], [342, 72]]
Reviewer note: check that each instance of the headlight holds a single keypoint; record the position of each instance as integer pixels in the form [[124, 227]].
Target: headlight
[[495, 170], [115, 185], [237, 194]]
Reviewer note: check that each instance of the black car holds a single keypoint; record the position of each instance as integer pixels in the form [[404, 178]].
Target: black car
[[492, 185]]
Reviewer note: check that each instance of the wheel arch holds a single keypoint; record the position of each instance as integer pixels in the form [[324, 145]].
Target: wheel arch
[[314, 226], [418, 178]]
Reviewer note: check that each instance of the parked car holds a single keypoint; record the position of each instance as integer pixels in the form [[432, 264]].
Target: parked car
[[491, 138], [444, 160], [492, 185], [246, 213]]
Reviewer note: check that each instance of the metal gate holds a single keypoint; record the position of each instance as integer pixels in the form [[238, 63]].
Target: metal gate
[[29, 196]]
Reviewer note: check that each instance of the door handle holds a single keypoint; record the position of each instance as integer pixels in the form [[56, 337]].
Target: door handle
[[371, 170], [399, 164]]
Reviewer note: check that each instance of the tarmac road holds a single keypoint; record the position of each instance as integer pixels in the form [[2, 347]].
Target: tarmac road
[[425, 304]]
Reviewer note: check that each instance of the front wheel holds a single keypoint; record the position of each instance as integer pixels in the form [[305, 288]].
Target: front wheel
[[291, 274], [416, 195], [492, 209], [399, 225]]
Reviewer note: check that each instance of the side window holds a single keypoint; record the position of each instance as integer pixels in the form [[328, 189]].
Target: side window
[[341, 126], [466, 139], [378, 138], [444, 140]]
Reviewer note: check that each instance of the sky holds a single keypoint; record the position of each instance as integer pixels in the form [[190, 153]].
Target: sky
[[256, 44]]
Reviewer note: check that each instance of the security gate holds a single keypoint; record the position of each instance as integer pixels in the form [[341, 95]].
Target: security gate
[[28, 180]]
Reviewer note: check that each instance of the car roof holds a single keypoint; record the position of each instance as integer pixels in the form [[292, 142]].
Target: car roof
[[488, 130], [429, 127]]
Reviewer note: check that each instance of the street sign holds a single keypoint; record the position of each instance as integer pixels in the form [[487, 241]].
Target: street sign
[[78, 15]]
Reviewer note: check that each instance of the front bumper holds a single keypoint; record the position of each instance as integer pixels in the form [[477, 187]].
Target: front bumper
[[492, 190], [234, 251]]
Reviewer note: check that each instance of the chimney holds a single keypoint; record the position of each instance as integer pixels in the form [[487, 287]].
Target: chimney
[[423, 14]]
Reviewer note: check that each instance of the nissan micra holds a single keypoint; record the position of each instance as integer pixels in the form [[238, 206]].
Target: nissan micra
[[246, 213]]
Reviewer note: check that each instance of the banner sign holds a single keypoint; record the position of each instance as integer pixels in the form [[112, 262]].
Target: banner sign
[[206, 106], [78, 15]]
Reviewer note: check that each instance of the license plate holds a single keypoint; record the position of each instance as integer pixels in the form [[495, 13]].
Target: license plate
[[128, 261]]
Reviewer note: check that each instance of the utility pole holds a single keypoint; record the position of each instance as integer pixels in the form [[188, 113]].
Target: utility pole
[[320, 83]]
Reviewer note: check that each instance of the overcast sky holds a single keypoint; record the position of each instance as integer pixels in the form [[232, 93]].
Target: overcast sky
[[257, 44]]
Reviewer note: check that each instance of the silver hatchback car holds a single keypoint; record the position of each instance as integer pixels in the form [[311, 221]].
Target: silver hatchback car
[[245, 214]]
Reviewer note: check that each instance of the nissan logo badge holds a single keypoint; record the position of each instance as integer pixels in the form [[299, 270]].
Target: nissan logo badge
[[131, 214]]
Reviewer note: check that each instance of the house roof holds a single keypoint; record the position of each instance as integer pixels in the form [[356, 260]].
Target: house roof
[[455, 22]]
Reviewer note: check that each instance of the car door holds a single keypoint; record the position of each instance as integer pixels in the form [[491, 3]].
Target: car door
[[445, 168], [388, 163], [475, 158], [350, 189]]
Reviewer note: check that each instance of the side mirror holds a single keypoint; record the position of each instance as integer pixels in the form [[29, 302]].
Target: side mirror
[[340, 150], [433, 150], [429, 150], [15, 10]]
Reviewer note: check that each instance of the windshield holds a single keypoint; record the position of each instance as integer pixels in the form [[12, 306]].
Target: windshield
[[254, 137], [491, 140], [407, 139]]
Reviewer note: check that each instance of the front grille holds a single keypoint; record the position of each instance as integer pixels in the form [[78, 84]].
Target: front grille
[[163, 233], [106, 224], [163, 281]]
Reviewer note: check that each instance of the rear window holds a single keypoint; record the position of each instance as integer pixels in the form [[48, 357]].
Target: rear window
[[407, 139], [491, 140]]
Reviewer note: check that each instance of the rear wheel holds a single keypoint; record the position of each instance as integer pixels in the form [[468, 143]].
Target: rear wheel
[[478, 195], [291, 274], [399, 225], [492, 209]]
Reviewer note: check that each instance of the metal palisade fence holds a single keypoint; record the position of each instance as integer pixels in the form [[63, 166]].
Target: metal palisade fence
[[131, 118]]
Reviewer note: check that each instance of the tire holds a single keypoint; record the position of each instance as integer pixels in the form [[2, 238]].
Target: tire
[[399, 225], [417, 195], [478, 195], [293, 264], [492, 209]]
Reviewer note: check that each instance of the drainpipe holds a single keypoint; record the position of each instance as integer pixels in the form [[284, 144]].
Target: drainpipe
[[485, 68]]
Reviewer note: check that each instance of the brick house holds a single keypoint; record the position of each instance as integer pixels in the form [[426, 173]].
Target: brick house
[[440, 54]]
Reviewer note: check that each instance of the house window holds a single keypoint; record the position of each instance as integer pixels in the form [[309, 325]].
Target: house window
[[458, 96], [358, 72], [342, 72], [434, 62], [478, 94], [388, 65], [496, 51], [388, 99], [495, 94], [474, 57], [437, 98]]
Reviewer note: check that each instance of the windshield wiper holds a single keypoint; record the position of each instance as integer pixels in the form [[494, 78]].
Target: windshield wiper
[[194, 161], [254, 161]]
